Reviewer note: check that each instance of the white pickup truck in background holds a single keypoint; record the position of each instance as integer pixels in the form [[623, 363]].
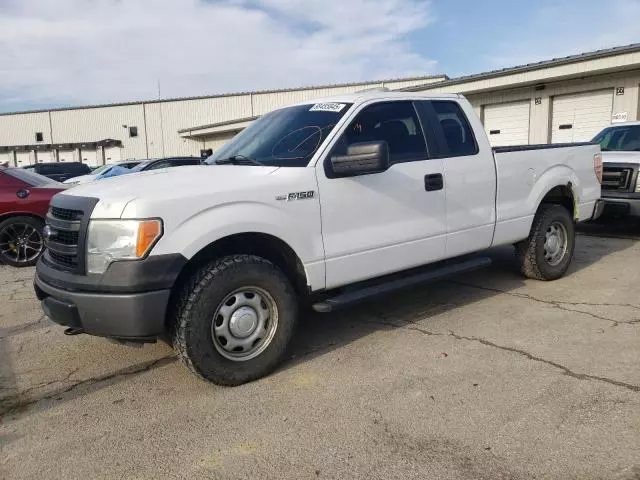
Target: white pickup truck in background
[[329, 203], [620, 145]]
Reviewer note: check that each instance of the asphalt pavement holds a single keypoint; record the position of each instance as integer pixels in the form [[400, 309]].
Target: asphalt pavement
[[483, 376]]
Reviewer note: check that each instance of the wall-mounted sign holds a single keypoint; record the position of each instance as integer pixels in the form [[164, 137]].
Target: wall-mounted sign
[[619, 117], [538, 100], [619, 90]]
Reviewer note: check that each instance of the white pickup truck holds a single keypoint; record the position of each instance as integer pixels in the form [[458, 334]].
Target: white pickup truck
[[323, 203], [620, 145]]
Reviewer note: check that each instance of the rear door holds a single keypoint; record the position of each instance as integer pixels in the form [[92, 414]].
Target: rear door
[[469, 174], [384, 222]]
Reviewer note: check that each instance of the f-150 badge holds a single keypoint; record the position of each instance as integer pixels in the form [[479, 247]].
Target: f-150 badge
[[296, 196]]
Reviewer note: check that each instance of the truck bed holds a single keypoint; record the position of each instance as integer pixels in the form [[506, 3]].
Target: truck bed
[[542, 146], [526, 173]]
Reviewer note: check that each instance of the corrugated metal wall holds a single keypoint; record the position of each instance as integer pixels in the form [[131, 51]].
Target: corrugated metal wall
[[157, 122], [21, 128]]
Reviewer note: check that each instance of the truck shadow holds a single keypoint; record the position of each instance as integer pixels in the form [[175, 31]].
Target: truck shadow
[[321, 333]]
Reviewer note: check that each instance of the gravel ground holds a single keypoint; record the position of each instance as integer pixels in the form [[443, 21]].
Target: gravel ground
[[484, 376]]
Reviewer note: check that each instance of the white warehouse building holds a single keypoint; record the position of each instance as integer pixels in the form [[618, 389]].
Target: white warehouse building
[[561, 100]]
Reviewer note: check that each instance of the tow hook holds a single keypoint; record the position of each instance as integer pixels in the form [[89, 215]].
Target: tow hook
[[73, 331]]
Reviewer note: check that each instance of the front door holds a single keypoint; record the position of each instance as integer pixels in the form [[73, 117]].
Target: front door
[[385, 222]]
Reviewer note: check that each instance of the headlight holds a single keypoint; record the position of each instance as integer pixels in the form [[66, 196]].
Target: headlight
[[110, 240]]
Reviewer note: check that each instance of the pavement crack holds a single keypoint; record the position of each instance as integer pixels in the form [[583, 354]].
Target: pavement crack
[[524, 353], [22, 402], [11, 332], [530, 356], [562, 305]]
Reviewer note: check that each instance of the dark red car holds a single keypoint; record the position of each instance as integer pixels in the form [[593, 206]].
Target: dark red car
[[24, 201]]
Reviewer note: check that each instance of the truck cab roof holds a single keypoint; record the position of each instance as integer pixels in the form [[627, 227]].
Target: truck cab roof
[[378, 94]]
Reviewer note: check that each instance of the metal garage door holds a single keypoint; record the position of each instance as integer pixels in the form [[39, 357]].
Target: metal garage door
[[24, 158], [112, 154], [579, 117], [6, 157], [45, 157], [90, 157], [67, 156], [507, 123]]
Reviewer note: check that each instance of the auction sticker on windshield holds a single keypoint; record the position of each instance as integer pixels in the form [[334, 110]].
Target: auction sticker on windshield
[[328, 107]]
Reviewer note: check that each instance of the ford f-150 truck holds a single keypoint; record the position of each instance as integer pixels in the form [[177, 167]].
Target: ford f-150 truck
[[620, 145], [319, 204]]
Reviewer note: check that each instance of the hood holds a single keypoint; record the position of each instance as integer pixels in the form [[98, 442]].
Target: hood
[[621, 157], [168, 184], [80, 179]]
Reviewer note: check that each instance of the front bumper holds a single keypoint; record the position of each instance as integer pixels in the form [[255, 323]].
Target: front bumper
[[128, 302], [126, 316], [622, 205]]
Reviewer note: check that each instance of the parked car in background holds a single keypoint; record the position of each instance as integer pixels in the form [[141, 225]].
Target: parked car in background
[[327, 203], [60, 171], [157, 164], [24, 201], [100, 172], [620, 145]]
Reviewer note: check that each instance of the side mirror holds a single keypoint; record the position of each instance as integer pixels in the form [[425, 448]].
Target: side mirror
[[361, 159]]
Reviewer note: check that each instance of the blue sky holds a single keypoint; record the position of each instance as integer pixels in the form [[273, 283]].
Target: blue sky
[[75, 52], [472, 36]]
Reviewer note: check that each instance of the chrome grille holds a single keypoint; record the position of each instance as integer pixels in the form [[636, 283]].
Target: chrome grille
[[62, 235], [65, 213], [616, 178]]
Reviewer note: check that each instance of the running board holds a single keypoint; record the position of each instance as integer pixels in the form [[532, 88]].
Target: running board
[[366, 293]]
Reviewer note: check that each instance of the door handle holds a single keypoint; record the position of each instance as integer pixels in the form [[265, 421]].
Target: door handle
[[433, 182]]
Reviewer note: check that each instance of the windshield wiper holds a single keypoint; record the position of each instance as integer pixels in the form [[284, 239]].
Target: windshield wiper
[[238, 160]]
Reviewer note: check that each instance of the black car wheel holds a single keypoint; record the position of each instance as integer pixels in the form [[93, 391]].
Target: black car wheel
[[21, 241]]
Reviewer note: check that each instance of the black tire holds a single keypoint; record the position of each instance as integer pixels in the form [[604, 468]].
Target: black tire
[[17, 250], [202, 297], [534, 262]]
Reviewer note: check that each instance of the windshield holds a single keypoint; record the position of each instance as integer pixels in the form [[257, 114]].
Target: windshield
[[623, 138], [141, 165], [284, 138], [32, 178], [101, 169]]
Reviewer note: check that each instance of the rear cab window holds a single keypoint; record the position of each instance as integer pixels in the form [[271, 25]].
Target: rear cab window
[[449, 127]]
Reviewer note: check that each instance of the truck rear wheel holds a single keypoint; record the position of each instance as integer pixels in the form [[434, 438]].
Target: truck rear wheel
[[547, 253], [234, 320]]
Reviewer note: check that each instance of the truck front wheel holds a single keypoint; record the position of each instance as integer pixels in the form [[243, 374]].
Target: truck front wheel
[[547, 252], [234, 320]]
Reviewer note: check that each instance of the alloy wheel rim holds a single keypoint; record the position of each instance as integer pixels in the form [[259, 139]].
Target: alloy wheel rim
[[20, 243]]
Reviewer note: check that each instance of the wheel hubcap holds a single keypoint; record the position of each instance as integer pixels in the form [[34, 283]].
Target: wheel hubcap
[[244, 324], [555, 244]]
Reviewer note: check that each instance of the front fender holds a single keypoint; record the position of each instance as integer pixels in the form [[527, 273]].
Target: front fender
[[299, 229]]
